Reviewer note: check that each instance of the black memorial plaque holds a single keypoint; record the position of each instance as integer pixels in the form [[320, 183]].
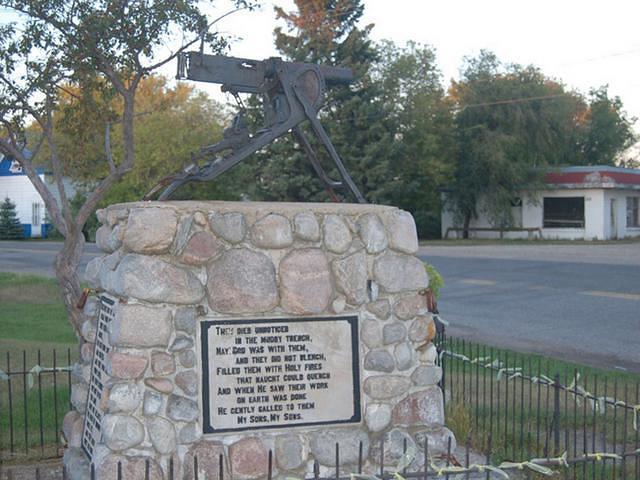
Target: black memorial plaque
[[278, 372]]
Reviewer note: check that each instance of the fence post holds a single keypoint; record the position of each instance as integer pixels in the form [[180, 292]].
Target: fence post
[[556, 414]]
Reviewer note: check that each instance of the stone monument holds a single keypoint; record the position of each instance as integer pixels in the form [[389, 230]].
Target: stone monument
[[222, 331]]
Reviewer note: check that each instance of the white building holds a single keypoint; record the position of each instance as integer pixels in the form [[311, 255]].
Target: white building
[[590, 203], [30, 209]]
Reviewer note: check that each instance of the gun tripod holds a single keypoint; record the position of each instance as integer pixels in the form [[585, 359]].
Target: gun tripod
[[293, 93]]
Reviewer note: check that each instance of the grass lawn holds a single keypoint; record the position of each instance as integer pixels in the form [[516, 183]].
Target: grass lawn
[[33, 323], [32, 314], [518, 414]]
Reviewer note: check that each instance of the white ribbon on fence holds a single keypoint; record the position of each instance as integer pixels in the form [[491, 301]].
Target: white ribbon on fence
[[35, 372], [578, 392]]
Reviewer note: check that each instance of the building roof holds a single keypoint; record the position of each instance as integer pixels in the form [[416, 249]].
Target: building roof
[[11, 168], [597, 176]]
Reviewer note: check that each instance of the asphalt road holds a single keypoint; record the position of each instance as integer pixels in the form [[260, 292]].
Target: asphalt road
[[574, 302], [36, 257]]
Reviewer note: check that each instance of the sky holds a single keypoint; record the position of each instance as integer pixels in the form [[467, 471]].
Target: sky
[[585, 44]]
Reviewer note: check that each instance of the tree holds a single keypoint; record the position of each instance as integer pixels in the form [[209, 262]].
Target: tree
[[173, 121], [414, 98], [606, 130], [512, 122], [326, 32], [10, 226], [104, 50]]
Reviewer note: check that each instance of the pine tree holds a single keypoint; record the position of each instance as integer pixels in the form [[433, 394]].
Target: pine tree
[[10, 226], [326, 32]]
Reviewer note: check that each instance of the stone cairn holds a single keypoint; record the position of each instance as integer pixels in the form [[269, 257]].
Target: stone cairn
[[170, 264]]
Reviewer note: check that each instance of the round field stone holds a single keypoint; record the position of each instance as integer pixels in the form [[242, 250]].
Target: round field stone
[[150, 230], [384, 387], [371, 333], [380, 308], [141, 326], [306, 227], [397, 273], [190, 433], [187, 358], [125, 366], [305, 281], [438, 438], [231, 227], [242, 281], [394, 444], [379, 360], [410, 305], [350, 274], [72, 427], [428, 354], [124, 397], [76, 464], [377, 416], [422, 329], [180, 343], [323, 445], [162, 363], [162, 385], [188, 382], [200, 248], [130, 467], [404, 354], [372, 233], [79, 393], [421, 408], [426, 375], [290, 452], [152, 403], [154, 280], [121, 432], [403, 235], [248, 458], [162, 435], [337, 236], [185, 320], [109, 240], [393, 333], [272, 231], [208, 454], [182, 409]]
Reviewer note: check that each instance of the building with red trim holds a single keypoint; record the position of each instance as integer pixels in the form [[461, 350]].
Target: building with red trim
[[586, 203]]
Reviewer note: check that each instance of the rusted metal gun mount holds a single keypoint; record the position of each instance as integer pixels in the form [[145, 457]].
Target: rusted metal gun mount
[[292, 93]]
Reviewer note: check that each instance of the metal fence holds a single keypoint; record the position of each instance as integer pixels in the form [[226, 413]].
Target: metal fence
[[445, 466], [514, 411], [35, 392], [521, 406]]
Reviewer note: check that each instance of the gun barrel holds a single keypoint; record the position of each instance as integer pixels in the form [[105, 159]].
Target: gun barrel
[[336, 75], [243, 74]]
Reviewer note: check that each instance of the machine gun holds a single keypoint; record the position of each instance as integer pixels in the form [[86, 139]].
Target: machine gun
[[292, 93]]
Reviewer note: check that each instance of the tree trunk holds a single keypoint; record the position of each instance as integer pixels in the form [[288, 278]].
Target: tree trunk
[[66, 264], [467, 220]]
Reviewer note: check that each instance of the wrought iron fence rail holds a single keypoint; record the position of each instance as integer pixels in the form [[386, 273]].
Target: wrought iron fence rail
[[33, 401], [448, 467]]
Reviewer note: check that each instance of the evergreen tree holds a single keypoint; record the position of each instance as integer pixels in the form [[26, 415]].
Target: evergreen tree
[[10, 226], [326, 32]]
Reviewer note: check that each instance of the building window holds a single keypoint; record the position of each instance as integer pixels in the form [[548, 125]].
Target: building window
[[563, 212], [633, 212], [35, 214]]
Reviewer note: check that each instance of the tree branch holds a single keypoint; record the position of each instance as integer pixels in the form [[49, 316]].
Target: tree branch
[[50, 202], [190, 43]]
